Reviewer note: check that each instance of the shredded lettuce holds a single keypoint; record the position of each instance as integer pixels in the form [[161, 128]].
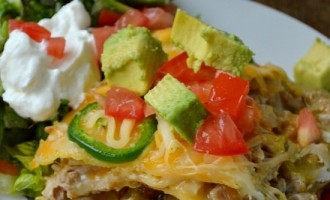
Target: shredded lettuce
[[8, 9], [62, 110], [19, 139], [13, 128], [13, 120], [111, 5], [35, 10], [29, 182], [23, 152], [6, 183], [3, 38]]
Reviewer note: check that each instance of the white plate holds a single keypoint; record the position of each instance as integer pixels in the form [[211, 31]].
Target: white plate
[[11, 197], [273, 36]]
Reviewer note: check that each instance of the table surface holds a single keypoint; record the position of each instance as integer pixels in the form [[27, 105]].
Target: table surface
[[315, 13]]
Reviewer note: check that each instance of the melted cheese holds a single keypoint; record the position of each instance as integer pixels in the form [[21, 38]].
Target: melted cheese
[[164, 36], [168, 163]]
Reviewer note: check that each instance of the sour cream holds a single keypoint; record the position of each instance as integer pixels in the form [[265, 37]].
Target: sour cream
[[34, 82]]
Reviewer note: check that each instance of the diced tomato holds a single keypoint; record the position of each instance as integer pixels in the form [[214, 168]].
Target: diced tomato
[[201, 89], [176, 67], [14, 24], [32, 29], [179, 69], [132, 17], [55, 47], [219, 135], [8, 168], [107, 18], [228, 94], [148, 110], [307, 128], [158, 18], [35, 31], [123, 103], [248, 117], [170, 8], [100, 36]]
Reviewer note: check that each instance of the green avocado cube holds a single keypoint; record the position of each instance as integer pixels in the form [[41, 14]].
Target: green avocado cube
[[314, 68], [204, 43], [176, 104], [131, 58]]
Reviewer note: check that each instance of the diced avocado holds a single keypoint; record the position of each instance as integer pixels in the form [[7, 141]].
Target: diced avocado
[[314, 68], [204, 43], [176, 104], [130, 59]]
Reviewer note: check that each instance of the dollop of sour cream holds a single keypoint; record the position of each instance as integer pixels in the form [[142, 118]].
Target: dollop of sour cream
[[35, 82]]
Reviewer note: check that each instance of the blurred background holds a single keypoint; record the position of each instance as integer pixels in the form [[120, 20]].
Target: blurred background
[[315, 13]]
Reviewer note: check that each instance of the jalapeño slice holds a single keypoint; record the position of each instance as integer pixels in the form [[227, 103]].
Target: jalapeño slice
[[103, 152]]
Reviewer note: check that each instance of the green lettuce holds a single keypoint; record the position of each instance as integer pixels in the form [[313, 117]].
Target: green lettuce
[[30, 182], [7, 183], [8, 10]]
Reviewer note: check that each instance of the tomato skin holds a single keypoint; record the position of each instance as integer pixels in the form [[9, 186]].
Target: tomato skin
[[219, 135], [32, 29], [100, 35], [248, 117], [8, 168], [132, 17], [307, 128], [228, 94], [148, 110], [176, 67], [200, 83], [158, 18], [107, 18], [225, 97], [170, 8], [35, 31], [201, 89], [55, 47], [14, 24], [179, 69], [123, 103]]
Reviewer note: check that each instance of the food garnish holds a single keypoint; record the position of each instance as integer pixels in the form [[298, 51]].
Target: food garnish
[[108, 99]]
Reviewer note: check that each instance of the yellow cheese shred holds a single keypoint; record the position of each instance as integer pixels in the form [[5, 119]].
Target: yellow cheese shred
[[168, 163]]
